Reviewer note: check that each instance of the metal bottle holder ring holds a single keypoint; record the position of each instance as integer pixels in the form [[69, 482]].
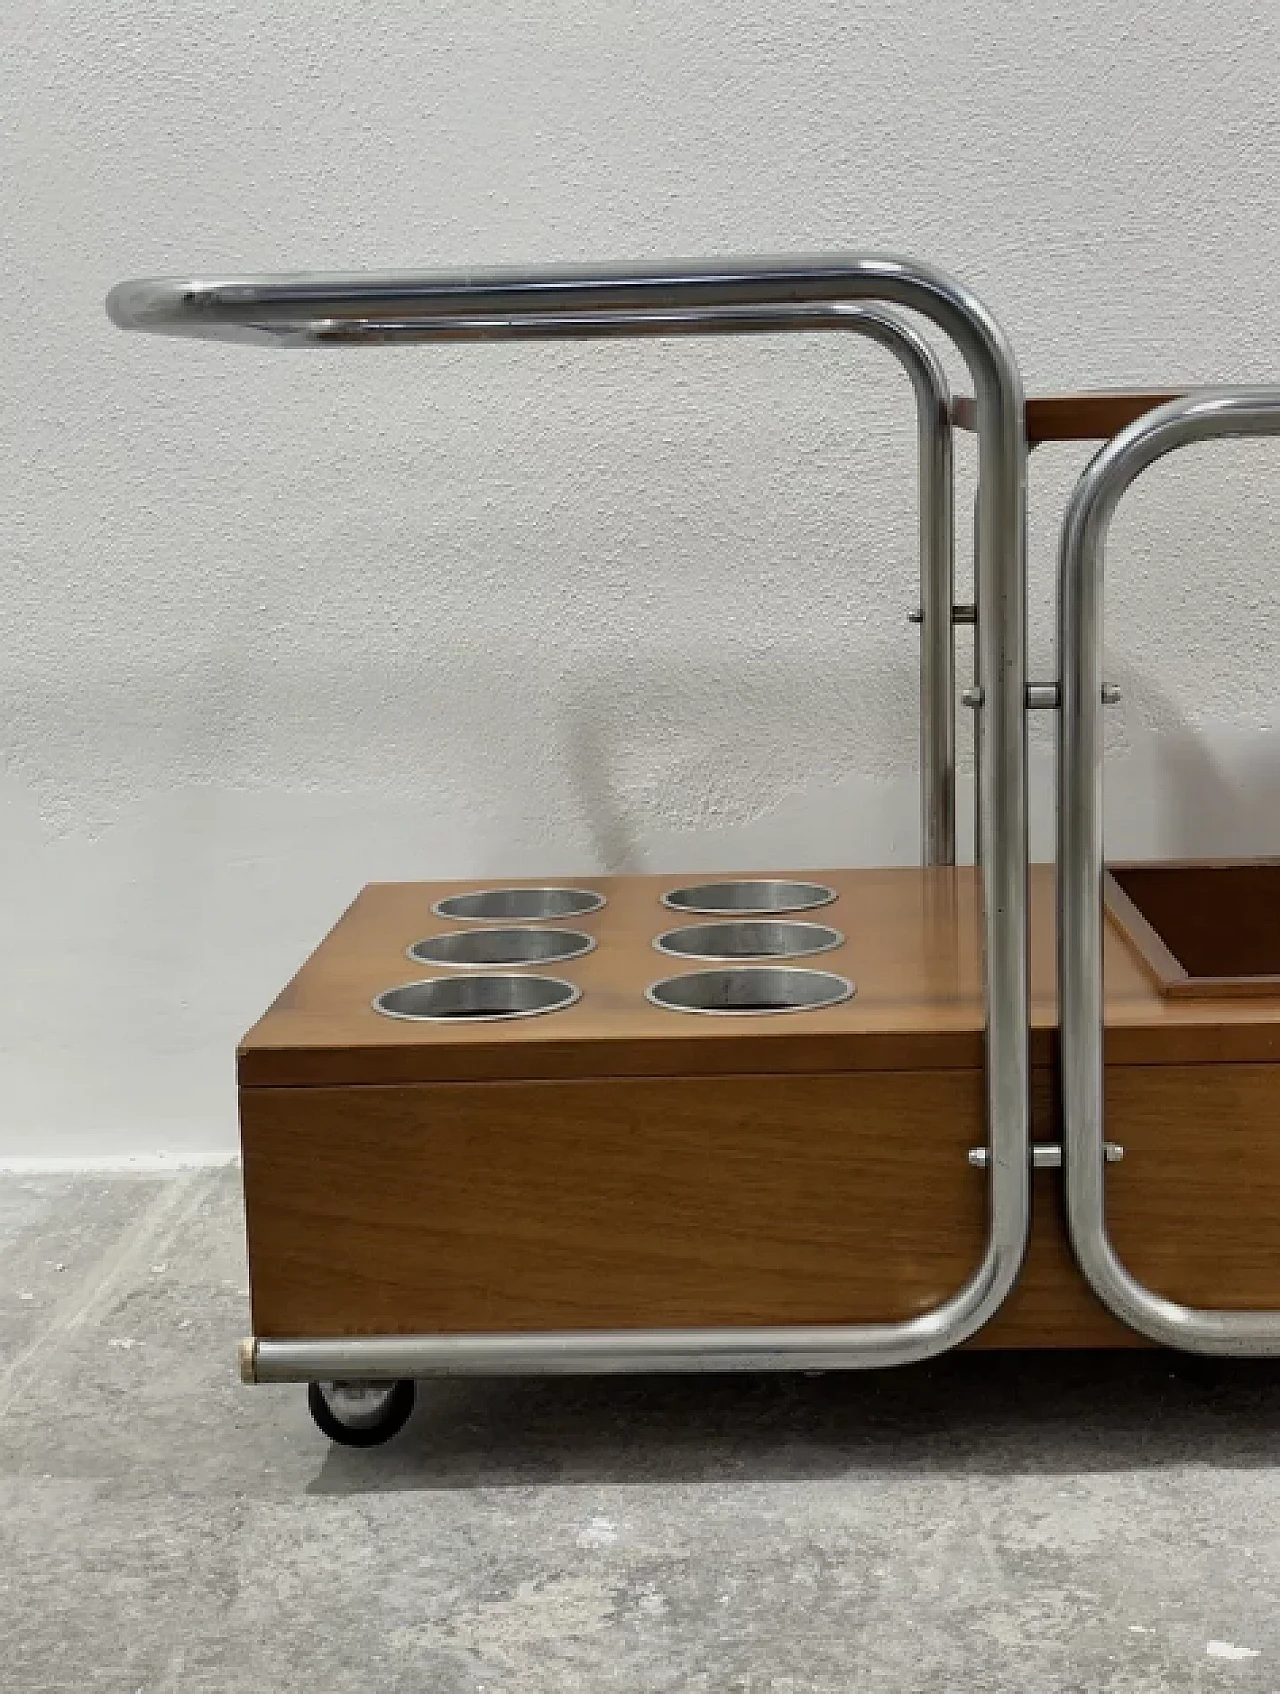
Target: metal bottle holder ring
[[750, 991], [749, 938], [519, 905], [517, 944], [735, 297], [1208, 416], [748, 897], [483, 997]]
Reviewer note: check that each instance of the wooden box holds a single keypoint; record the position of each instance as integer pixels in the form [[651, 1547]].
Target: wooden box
[[617, 1165]]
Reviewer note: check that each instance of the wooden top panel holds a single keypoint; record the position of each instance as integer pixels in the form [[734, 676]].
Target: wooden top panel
[[1095, 416], [911, 948], [911, 945]]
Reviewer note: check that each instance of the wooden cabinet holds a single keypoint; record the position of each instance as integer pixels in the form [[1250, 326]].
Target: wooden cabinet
[[616, 1164]]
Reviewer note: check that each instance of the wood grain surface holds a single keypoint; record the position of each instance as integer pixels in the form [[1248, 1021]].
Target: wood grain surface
[[457, 1207], [1194, 1209], [603, 1204], [636, 1168], [1086, 416], [912, 946], [563, 1205]]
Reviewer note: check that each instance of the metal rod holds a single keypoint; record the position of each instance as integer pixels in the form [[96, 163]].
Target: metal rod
[[1207, 416], [936, 507], [608, 1352], [496, 304], [973, 694], [1045, 1155]]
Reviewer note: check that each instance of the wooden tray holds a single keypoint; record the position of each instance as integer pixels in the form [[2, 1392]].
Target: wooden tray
[[1203, 928]]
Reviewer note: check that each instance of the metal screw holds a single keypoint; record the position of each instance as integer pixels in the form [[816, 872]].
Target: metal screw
[[1110, 694]]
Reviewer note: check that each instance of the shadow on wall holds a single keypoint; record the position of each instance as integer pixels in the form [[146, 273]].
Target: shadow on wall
[[505, 744], [762, 769], [1187, 790]]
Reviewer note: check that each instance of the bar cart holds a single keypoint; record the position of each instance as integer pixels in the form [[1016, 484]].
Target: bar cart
[[763, 1123]]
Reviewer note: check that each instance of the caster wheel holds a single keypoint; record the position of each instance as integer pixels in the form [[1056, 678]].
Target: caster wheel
[[360, 1414]]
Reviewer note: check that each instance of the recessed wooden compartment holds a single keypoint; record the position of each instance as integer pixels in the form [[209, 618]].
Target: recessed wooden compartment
[[1203, 929]]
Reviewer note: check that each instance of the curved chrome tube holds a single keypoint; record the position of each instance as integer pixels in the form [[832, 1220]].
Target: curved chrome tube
[[554, 303], [133, 305], [936, 483], [1207, 416]]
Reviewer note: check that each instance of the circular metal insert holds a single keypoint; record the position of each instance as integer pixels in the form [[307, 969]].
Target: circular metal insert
[[750, 991], [469, 947], [752, 938], [758, 895], [476, 999], [519, 905]]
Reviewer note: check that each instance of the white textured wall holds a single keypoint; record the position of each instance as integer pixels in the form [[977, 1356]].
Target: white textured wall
[[277, 625]]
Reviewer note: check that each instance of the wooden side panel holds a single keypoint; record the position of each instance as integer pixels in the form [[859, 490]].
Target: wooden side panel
[[647, 1201], [594, 1204], [1194, 1209]]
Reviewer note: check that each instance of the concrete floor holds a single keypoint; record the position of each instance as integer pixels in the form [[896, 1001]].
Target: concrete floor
[[1019, 1523]]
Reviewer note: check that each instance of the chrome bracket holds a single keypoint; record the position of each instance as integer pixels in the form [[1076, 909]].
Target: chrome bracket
[[1042, 696], [1045, 1155], [964, 612]]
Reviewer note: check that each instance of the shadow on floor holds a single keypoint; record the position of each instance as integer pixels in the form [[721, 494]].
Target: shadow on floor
[[998, 1414]]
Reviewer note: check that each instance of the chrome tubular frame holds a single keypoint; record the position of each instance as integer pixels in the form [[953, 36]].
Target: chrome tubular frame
[[936, 483], [1207, 416], [691, 299]]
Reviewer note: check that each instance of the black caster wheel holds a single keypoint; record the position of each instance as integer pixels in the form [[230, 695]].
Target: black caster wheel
[[360, 1414]]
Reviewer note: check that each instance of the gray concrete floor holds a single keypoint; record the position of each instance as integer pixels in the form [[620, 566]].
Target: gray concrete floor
[[1019, 1523]]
